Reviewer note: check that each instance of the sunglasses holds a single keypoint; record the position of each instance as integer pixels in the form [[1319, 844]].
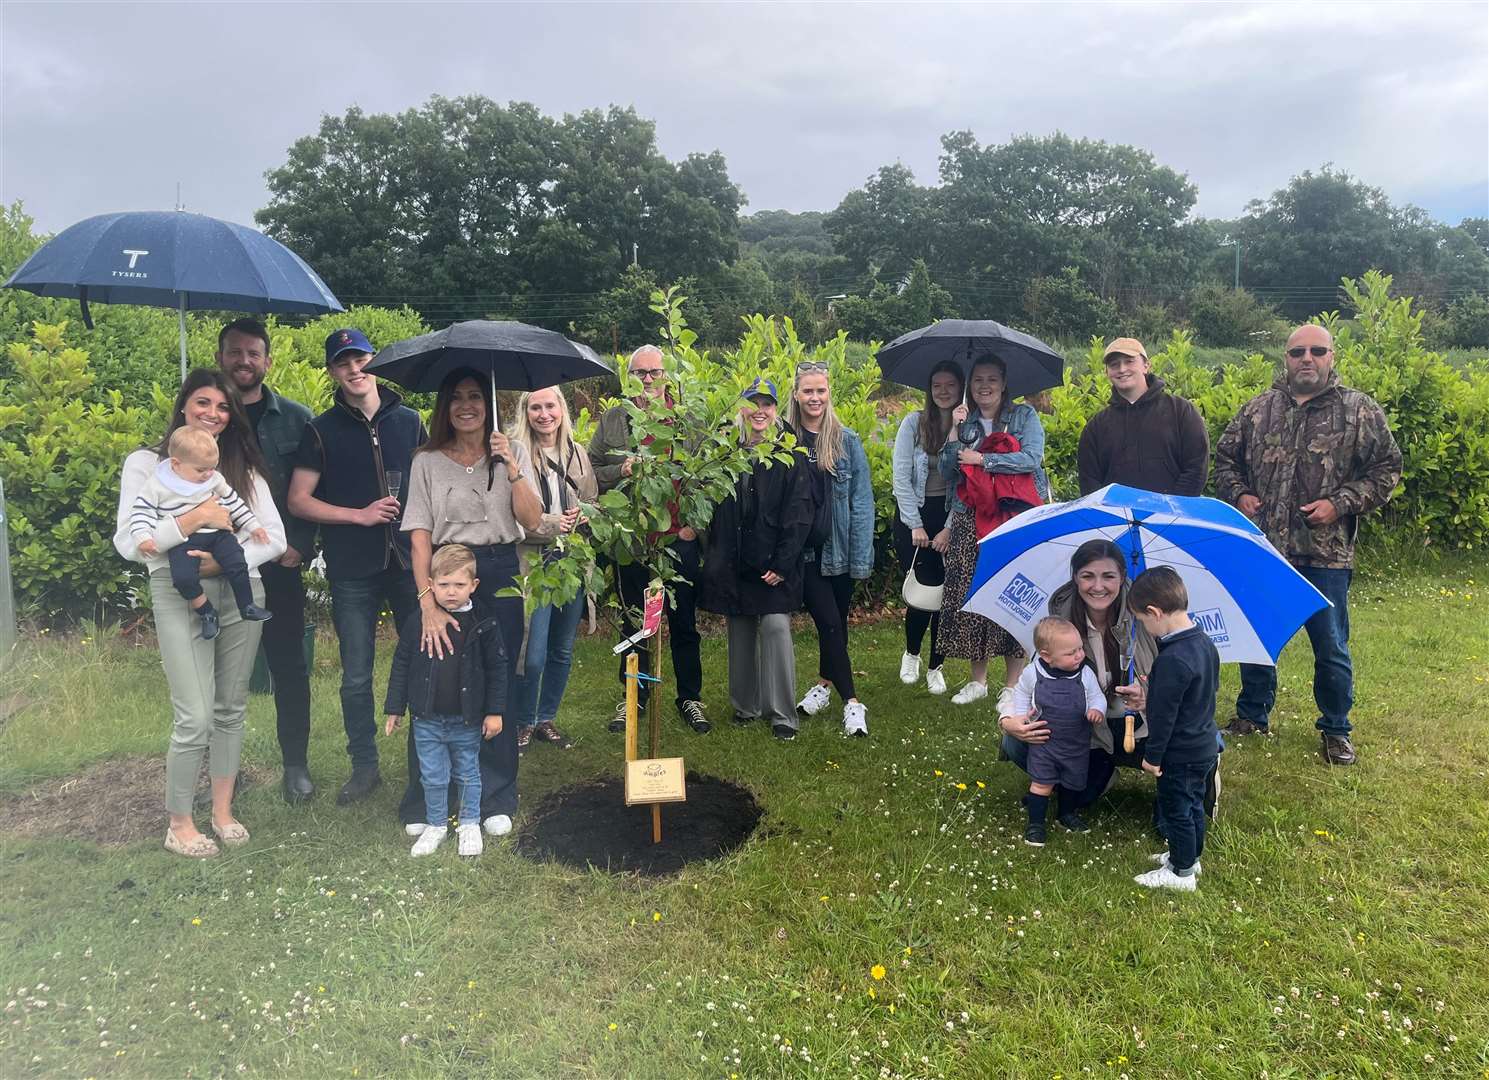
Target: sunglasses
[[811, 365], [647, 374], [1297, 352]]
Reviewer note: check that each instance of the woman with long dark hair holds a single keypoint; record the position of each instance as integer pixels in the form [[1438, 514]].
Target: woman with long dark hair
[[471, 485], [208, 677], [921, 532], [964, 634]]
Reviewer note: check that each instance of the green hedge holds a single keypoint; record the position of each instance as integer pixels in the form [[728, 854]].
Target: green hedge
[[65, 426]]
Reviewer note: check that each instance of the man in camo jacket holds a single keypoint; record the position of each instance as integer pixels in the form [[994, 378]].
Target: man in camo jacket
[[1304, 460]]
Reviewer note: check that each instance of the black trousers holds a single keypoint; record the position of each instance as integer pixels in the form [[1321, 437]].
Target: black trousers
[[284, 648], [682, 622], [930, 569], [222, 545], [497, 568], [826, 600]]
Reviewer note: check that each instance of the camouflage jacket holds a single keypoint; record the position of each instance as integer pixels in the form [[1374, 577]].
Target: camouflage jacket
[[1336, 446]]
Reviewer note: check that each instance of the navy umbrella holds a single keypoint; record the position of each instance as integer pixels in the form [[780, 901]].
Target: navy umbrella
[[169, 258], [1032, 365], [514, 355]]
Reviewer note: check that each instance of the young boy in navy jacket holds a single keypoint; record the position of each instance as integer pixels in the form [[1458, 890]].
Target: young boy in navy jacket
[[1182, 739]]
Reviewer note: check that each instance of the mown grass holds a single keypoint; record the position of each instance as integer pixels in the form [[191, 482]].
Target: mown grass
[[1340, 928]]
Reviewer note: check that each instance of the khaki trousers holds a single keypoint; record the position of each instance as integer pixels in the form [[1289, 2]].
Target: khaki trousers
[[208, 682]]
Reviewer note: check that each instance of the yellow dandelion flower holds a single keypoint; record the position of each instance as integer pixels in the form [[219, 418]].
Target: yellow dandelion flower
[[613, 1026], [331, 893], [981, 784], [871, 993], [961, 787], [656, 916], [907, 950], [823, 898], [877, 971], [940, 773], [470, 984], [196, 922]]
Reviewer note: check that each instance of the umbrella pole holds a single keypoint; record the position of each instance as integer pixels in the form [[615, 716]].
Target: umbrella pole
[[182, 312], [496, 416]]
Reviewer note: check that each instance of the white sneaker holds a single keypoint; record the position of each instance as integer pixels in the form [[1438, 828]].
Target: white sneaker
[[909, 669], [1165, 878], [1005, 701], [1161, 858], [818, 698], [470, 839], [973, 691], [428, 840], [497, 825], [935, 681], [855, 719], [414, 828]]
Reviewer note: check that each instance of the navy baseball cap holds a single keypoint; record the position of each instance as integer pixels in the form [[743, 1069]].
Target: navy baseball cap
[[761, 388], [349, 340]]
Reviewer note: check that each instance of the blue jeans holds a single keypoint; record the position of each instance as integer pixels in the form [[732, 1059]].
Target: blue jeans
[[1333, 672], [448, 747], [1181, 812], [536, 693], [355, 606]]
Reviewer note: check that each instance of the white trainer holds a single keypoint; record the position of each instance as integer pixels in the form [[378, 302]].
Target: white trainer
[[430, 839], [1161, 858], [470, 839], [973, 691], [855, 719], [1165, 878], [818, 698], [935, 681], [414, 828], [1005, 701], [909, 669], [497, 825]]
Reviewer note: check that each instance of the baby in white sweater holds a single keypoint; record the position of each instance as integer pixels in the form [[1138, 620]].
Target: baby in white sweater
[[180, 483]]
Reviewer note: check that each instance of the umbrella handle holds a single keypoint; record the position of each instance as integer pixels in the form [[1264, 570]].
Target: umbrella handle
[[1129, 743]]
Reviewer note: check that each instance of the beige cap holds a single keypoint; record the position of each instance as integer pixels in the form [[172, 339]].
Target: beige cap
[[1125, 346]]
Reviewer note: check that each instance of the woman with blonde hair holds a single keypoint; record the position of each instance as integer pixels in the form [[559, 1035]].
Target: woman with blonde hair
[[564, 478], [840, 546]]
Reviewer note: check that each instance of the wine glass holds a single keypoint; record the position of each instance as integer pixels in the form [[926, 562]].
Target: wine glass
[[395, 482]]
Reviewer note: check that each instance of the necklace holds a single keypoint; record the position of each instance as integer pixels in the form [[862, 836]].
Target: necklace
[[470, 467]]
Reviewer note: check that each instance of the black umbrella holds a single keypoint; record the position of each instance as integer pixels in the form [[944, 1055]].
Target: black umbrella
[[1032, 365]]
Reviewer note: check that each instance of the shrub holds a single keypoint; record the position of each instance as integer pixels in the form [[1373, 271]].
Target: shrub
[[60, 456], [1233, 317], [889, 311], [1465, 323], [1063, 307]]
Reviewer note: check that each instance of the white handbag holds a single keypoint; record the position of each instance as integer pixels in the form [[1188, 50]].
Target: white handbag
[[918, 595]]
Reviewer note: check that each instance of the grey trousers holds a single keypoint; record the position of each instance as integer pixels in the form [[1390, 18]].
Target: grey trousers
[[762, 668], [208, 682]]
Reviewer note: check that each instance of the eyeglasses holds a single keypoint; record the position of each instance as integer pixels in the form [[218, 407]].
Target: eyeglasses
[[647, 374], [811, 365], [1297, 351]]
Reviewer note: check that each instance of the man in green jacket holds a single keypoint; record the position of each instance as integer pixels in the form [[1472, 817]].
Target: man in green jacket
[[1304, 460], [243, 356]]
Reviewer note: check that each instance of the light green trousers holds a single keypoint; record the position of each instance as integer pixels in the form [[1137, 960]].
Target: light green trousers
[[208, 681]]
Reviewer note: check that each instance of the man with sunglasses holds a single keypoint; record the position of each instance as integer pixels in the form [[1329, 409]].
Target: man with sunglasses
[[1304, 460], [612, 451]]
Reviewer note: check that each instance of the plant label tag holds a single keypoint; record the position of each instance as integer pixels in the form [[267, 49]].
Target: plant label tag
[[655, 780], [651, 614]]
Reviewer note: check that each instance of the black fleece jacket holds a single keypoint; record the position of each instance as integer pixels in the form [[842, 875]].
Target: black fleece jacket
[[1158, 443], [1181, 700]]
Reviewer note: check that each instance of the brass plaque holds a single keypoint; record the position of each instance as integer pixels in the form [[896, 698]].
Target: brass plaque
[[655, 780]]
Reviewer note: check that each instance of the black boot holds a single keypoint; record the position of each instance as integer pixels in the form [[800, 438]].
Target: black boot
[[297, 785], [365, 779]]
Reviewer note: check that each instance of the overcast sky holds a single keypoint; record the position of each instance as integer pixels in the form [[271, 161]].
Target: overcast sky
[[107, 106]]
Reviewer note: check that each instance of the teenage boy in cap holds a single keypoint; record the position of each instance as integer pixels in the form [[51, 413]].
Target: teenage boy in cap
[[341, 483], [279, 424], [613, 452], [1146, 438]]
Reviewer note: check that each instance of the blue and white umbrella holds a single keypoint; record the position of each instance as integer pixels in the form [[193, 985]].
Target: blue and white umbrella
[[1245, 595]]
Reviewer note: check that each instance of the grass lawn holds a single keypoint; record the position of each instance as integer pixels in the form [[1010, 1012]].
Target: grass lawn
[[1341, 927]]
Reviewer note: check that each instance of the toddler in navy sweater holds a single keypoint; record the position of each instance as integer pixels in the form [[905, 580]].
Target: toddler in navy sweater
[[1182, 741]]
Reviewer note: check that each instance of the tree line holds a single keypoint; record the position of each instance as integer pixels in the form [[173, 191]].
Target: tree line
[[465, 208]]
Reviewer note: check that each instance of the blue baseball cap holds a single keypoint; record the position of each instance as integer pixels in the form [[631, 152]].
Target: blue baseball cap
[[349, 340], [761, 388]]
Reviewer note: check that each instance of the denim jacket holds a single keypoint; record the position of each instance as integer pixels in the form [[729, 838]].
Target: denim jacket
[[912, 467], [849, 548], [1020, 421]]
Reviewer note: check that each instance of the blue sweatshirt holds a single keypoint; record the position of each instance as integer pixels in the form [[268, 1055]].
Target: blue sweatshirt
[[1181, 700]]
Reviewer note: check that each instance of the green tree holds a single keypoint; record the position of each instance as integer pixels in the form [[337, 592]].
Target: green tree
[[1063, 307]]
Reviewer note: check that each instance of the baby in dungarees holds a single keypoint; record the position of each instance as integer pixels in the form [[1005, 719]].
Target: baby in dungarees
[[1060, 689]]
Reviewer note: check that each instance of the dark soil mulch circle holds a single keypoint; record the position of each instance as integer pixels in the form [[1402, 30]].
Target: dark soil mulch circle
[[589, 824]]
